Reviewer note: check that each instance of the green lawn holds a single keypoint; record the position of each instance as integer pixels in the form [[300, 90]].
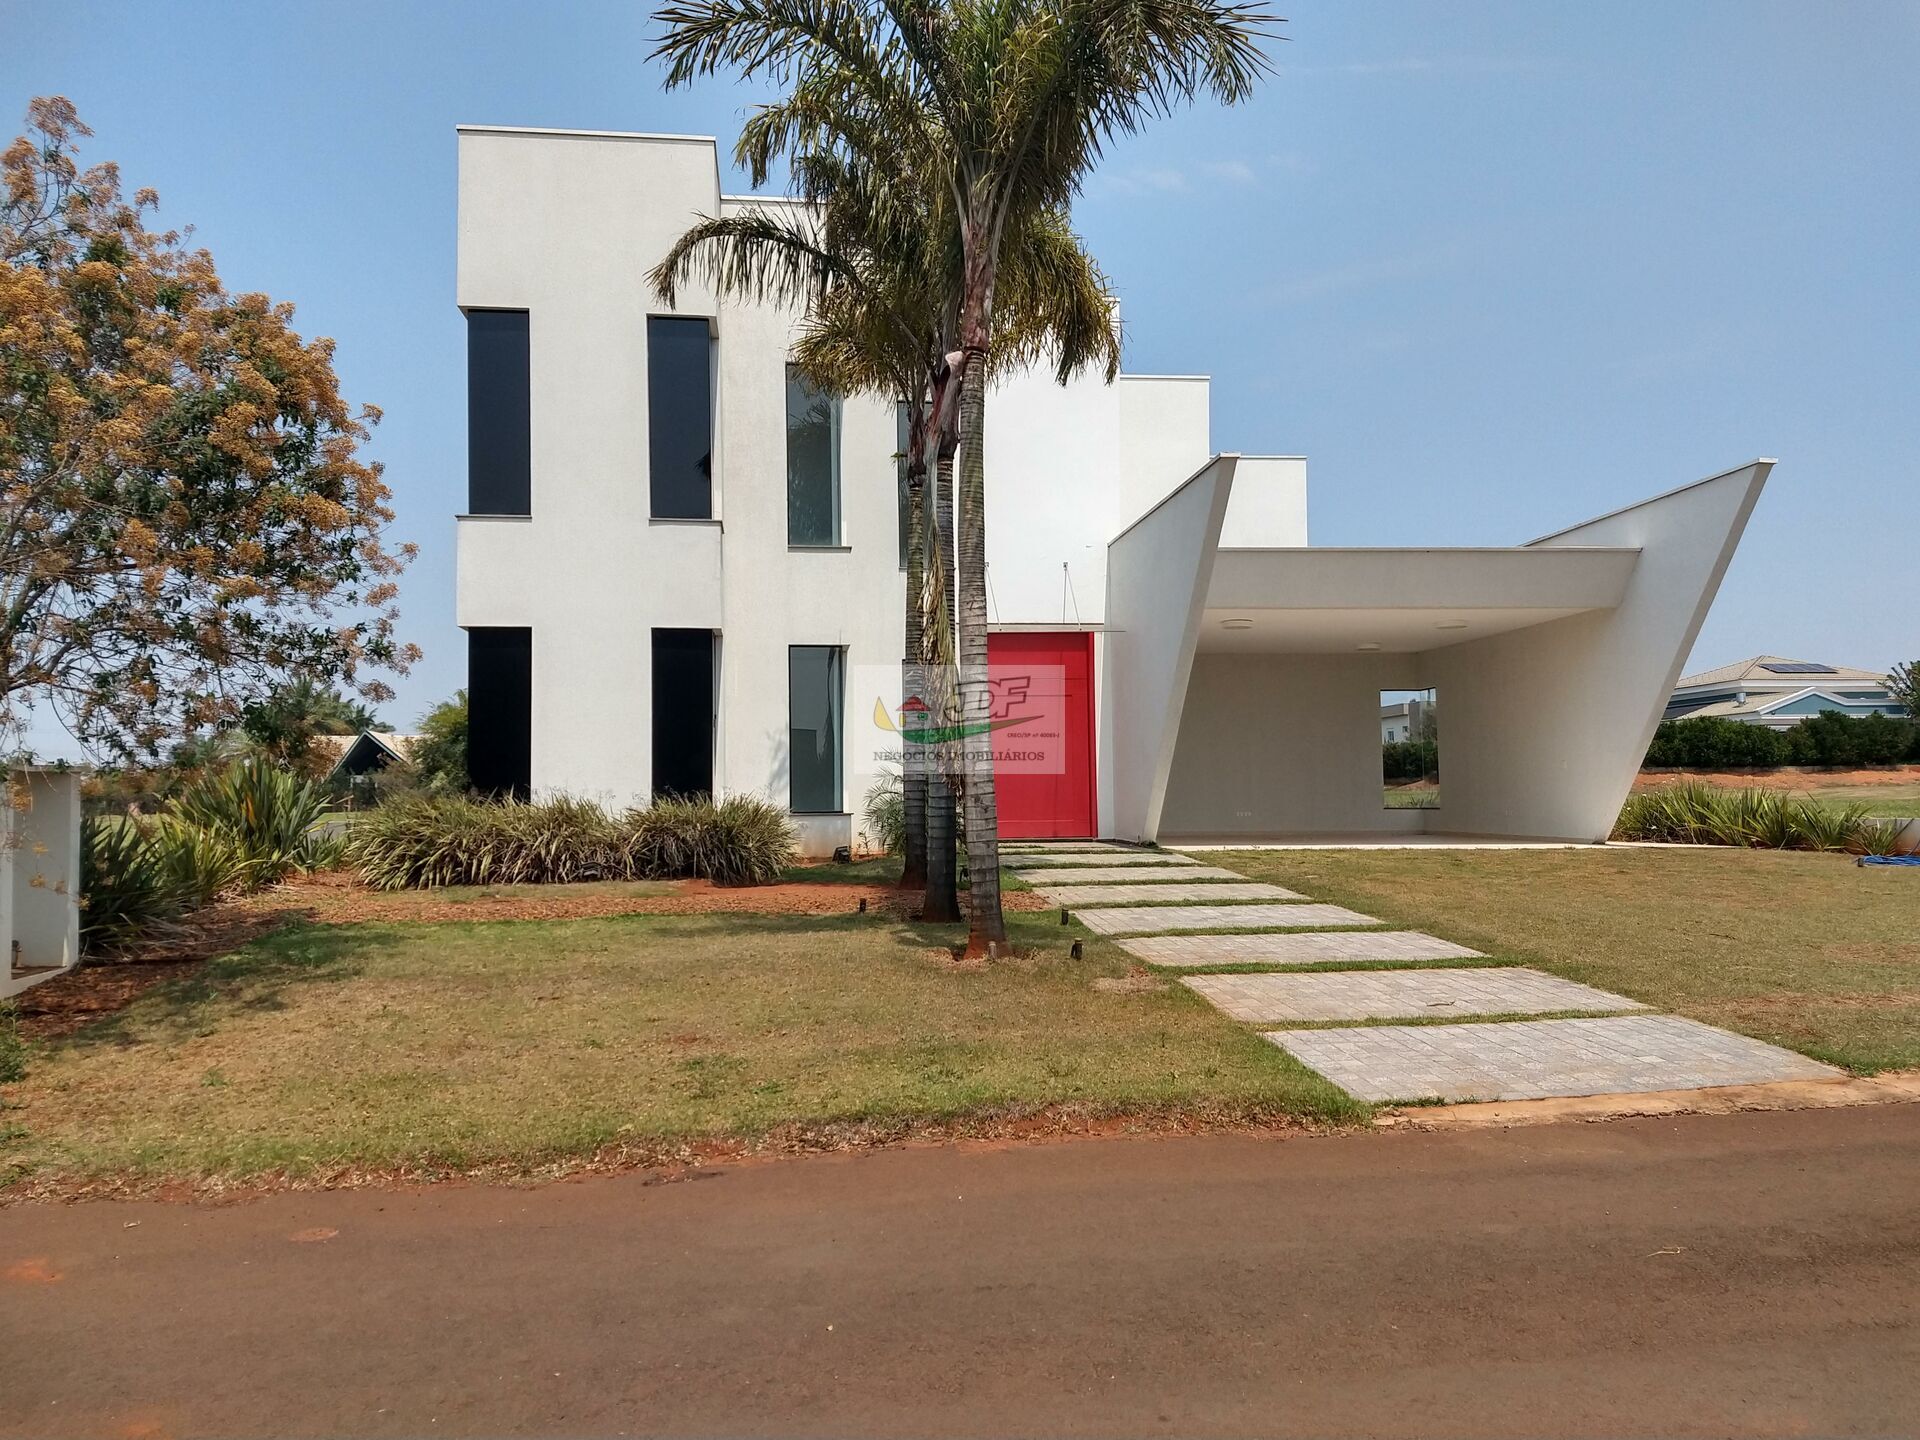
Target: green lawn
[[1901, 801], [453, 1045], [1804, 950]]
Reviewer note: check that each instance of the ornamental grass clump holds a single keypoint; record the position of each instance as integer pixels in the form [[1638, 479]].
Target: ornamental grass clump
[[267, 813], [1697, 814], [423, 842]]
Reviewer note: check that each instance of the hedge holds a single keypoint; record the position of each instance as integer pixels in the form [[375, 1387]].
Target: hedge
[[1712, 742]]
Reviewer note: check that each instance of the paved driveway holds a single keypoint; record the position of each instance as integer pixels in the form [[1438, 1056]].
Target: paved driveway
[[1708, 1275]]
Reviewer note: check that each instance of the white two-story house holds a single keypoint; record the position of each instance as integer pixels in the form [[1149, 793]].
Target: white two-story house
[[680, 570]]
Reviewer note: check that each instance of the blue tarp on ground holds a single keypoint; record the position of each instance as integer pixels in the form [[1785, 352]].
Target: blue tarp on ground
[[1888, 860]]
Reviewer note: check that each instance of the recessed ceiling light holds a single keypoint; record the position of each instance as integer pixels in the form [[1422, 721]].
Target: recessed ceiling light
[[1237, 622], [1370, 645], [1451, 625]]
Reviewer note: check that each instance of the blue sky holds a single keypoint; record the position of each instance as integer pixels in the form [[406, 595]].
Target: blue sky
[[1495, 268]]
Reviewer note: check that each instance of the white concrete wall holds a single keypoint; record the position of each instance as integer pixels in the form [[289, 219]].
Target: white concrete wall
[[1269, 506], [1283, 744], [40, 870], [565, 226], [1542, 729], [1158, 572]]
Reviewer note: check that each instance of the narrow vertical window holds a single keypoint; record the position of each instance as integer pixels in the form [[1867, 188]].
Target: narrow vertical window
[[683, 712], [815, 686], [813, 464], [680, 417], [901, 441], [500, 710], [499, 413]]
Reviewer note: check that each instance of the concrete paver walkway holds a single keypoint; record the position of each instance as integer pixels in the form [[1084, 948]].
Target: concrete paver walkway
[[1208, 891], [1129, 874], [1400, 994], [1472, 1060], [1035, 860], [1328, 948], [1534, 1059], [1152, 919]]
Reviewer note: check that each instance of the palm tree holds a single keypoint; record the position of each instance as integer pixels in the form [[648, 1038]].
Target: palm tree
[[1007, 105], [876, 271]]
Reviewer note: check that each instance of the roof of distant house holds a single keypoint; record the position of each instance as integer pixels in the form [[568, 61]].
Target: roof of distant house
[[342, 747], [1779, 670]]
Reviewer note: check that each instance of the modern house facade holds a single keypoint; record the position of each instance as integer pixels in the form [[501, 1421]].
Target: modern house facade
[[681, 571], [1779, 693]]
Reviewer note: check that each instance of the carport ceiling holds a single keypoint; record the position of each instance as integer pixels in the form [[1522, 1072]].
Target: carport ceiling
[[1344, 632]]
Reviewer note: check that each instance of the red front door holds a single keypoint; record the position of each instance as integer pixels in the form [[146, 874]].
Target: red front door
[[1044, 768]]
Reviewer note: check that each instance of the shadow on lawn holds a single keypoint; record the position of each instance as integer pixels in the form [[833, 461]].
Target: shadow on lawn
[[254, 977]]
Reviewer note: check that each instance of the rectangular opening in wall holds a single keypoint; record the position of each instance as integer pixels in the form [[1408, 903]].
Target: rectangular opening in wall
[[816, 685], [684, 679], [680, 417], [499, 413], [500, 710], [813, 464], [1410, 749]]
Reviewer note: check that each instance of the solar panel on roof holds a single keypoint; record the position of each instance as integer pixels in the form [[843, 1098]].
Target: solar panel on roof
[[1800, 667]]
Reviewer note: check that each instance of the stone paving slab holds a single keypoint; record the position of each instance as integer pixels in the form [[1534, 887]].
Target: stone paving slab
[[1205, 892], [1534, 1059], [1064, 847], [1131, 874], [1201, 950], [1400, 994], [1162, 919], [1034, 861]]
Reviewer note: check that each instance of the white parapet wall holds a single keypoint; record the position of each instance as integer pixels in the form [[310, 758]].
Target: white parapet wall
[[39, 876]]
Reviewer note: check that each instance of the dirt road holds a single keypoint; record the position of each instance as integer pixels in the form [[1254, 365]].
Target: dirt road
[[1742, 1274]]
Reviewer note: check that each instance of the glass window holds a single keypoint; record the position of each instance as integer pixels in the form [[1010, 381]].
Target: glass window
[[815, 682], [680, 417], [500, 710], [900, 442], [499, 414], [813, 463]]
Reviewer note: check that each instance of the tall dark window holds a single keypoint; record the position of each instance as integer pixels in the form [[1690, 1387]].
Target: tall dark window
[[901, 438], [813, 464], [683, 676], [816, 681], [500, 710], [499, 414], [680, 417]]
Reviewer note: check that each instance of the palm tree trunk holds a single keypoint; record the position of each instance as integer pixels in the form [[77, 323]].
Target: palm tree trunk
[[942, 906], [986, 926], [913, 767]]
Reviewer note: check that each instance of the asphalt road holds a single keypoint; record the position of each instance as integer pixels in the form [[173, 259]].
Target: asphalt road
[[1743, 1274]]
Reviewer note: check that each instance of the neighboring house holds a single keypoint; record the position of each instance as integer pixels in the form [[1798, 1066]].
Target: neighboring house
[[362, 754], [682, 571], [1779, 693], [1402, 721]]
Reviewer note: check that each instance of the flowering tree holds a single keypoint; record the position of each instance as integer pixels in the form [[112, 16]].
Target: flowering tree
[[184, 516]]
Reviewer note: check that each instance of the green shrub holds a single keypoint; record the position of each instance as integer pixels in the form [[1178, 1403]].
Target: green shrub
[[266, 812], [1713, 742], [1409, 759], [203, 864], [13, 1050], [129, 886], [1695, 814], [886, 806], [421, 841]]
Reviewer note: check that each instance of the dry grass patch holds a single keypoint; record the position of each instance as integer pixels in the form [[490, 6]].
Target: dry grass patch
[[457, 1045], [1804, 950]]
